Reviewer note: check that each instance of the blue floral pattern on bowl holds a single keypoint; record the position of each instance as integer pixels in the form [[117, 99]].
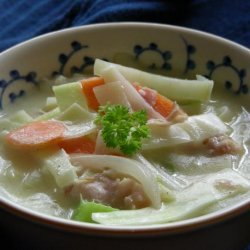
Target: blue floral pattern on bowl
[[227, 62], [190, 50], [165, 55], [64, 59], [15, 76]]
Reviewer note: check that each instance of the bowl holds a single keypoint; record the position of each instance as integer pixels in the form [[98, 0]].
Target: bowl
[[158, 48]]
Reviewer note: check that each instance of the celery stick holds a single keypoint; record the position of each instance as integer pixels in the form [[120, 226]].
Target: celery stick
[[149, 216], [69, 93], [86, 208], [176, 89]]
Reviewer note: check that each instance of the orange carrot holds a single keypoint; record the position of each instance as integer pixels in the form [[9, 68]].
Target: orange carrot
[[78, 145], [36, 135], [160, 103], [163, 105], [88, 85]]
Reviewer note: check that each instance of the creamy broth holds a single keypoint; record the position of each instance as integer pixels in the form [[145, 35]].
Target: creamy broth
[[184, 173]]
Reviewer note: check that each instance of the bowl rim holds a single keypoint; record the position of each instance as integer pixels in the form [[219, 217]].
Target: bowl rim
[[183, 226], [187, 225], [196, 32]]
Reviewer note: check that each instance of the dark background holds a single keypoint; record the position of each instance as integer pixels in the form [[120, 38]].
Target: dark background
[[24, 19]]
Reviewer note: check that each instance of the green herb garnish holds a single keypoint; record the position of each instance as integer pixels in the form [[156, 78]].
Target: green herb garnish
[[122, 128]]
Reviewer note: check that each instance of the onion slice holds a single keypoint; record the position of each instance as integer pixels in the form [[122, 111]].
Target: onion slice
[[111, 74], [112, 93], [125, 166]]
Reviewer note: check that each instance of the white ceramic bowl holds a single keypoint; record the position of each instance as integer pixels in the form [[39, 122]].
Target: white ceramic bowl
[[161, 49]]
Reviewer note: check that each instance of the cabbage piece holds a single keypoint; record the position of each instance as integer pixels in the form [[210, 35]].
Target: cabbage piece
[[14, 121], [48, 115], [76, 114], [125, 166], [79, 130], [176, 89], [61, 169], [111, 74], [42, 202], [21, 117], [193, 129], [79, 121], [198, 164], [241, 134], [69, 93]]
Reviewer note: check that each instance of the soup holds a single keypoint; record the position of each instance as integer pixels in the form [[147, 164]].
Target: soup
[[125, 147]]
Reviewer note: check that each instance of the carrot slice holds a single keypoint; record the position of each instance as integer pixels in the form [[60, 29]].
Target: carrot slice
[[78, 145], [163, 105], [36, 134], [88, 85], [160, 103]]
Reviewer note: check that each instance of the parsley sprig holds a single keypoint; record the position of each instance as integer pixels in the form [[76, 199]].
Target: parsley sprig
[[121, 128]]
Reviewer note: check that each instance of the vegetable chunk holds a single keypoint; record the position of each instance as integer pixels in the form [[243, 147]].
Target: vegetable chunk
[[60, 167], [36, 134], [88, 86], [173, 88], [68, 94], [78, 145], [86, 208]]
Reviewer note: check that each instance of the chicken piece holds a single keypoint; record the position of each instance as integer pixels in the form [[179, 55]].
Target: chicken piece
[[111, 189], [221, 144], [170, 110]]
